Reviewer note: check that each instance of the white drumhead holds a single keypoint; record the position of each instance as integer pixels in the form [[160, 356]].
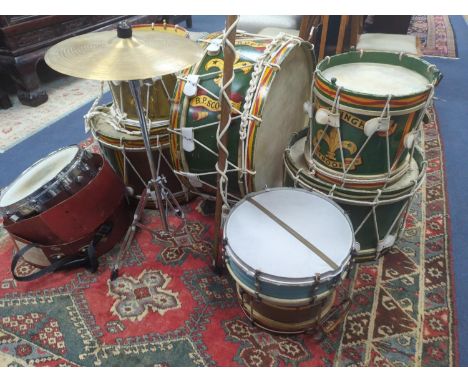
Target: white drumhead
[[282, 115], [37, 175], [377, 79], [262, 244]]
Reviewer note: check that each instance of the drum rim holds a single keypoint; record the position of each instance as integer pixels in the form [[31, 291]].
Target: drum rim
[[257, 130], [7, 209], [289, 165], [436, 73], [289, 281]]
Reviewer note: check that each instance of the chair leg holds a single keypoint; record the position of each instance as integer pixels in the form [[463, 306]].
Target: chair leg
[[341, 34], [323, 37]]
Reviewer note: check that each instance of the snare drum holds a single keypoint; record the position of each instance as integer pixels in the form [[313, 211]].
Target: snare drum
[[272, 80], [367, 108], [287, 250], [156, 93], [71, 220], [47, 182], [377, 215]]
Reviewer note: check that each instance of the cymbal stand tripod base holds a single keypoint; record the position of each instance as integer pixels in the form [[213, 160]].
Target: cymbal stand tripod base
[[149, 192]]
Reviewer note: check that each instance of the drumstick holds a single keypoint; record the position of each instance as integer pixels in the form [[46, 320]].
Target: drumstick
[[225, 114]]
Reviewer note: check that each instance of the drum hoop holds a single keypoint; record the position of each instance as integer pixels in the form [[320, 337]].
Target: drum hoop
[[371, 113], [373, 96], [288, 281], [292, 168], [345, 200], [126, 148], [361, 179], [276, 300], [280, 54], [152, 124], [45, 187]]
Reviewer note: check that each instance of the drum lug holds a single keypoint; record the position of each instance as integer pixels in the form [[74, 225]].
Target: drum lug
[[386, 242], [409, 140], [188, 143], [314, 287], [326, 117], [257, 285], [191, 85], [373, 125], [214, 47]]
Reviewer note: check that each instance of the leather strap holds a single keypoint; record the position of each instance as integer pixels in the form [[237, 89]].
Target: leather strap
[[294, 233], [89, 260]]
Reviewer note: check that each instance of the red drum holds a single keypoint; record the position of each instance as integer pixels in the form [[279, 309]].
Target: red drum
[[88, 220]]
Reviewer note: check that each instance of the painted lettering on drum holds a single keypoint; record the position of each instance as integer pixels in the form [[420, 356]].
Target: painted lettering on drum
[[373, 158], [201, 160]]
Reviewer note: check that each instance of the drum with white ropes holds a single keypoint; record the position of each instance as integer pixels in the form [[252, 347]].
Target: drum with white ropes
[[272, 80], [287, 284], [156, 93], [124, 149], [377, 215], [367, 108]]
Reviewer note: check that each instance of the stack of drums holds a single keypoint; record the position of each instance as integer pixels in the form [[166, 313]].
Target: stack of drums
[[288, 285], [117, 128], [362, 145], [68, 207]]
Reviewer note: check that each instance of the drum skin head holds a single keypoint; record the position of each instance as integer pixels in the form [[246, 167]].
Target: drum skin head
[[38, 175], [263, 245]]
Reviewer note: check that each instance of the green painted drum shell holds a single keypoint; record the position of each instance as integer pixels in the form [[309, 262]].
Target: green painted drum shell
[[367, 236], [203, 109], [356, 108], [372, 161], [390, 207], [295, 163], [288, 293]]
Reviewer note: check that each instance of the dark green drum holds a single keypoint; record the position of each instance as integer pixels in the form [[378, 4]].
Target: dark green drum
[[272, 79], [367, 107]]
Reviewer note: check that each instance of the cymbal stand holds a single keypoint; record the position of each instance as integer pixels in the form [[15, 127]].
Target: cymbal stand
[[155, 189]]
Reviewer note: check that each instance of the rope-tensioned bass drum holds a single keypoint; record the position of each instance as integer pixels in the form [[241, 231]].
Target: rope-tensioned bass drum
[[272, 80]]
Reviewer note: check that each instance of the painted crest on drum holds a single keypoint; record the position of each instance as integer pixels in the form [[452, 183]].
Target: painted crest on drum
[[348, 144], [202, 112]]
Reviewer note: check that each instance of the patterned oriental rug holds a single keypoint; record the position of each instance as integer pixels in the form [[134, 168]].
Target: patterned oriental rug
[[169, 309], [436, 35]]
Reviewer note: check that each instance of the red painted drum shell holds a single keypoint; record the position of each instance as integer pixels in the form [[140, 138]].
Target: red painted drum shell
[[120, 220], [77, 216]]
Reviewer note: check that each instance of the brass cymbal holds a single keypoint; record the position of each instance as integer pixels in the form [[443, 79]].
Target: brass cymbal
[[104, 56]]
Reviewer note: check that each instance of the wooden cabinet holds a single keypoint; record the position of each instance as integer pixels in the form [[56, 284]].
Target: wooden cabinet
[[25, 39]]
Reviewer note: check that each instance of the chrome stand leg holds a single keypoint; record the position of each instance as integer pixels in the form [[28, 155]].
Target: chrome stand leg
[[155, 189]]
